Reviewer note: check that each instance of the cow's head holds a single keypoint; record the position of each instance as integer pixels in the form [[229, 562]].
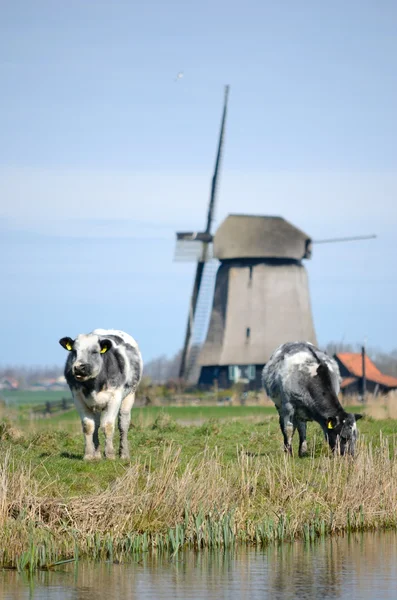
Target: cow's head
[[342, 432], [341, 429], [86, 355]]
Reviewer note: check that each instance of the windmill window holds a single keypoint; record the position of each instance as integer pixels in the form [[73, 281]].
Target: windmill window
[[248, 333], [250, 276], [233, 373], [251, 372]]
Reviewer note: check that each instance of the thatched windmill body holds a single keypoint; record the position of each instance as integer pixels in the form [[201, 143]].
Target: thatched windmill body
[[261, 297]]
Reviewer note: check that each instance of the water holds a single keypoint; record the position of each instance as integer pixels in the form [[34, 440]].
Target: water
[[355, 567]]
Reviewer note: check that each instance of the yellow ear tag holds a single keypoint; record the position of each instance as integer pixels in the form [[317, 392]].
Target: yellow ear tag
[[329, 425], [103, 350], [68, 346]]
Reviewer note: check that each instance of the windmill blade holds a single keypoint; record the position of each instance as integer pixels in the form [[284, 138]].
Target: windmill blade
[[345, 239], [205, 244], [201, 320], [191, 251], [190, 319], [194, 236], [214, 183], [189, 246]]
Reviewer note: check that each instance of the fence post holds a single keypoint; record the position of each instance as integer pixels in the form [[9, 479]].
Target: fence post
[[364, 380]]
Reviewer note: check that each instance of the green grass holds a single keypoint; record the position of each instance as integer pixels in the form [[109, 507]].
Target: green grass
[[199, 413], [54, 445], [141, 417], [27, 397]]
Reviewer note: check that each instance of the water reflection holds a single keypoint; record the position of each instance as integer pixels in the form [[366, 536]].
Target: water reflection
[[361, 566]]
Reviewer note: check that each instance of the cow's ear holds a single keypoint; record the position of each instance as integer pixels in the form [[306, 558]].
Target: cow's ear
[[357, 416], [105, 345], [67, 343], [323, 373], [332, 422]]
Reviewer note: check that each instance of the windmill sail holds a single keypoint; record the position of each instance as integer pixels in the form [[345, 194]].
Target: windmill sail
[[201, 320], [205, 240], [214, 182], [355, 238]]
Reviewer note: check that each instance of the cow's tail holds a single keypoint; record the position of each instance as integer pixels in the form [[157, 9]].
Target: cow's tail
[[322, 370]]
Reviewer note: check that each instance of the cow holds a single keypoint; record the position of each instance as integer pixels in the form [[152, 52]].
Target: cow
[[103, 370], [303, 383]]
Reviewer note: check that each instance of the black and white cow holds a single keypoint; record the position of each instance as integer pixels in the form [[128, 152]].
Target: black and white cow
[[303, 383], [103, 370]]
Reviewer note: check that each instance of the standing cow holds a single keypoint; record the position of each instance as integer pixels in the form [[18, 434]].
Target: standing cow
[[303, 383], [103, 371]]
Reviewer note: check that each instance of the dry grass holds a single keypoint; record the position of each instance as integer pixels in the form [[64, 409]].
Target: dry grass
[[378, 407], [205, 503], [382, 407]]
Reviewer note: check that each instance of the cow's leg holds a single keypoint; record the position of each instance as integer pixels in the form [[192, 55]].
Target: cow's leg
[[124, 424], [287, 426], [96, 436], [283, 431], [301, 426], [88, 424], [108, 420]]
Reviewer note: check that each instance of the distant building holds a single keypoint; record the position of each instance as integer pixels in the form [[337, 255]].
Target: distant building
[[351, 370], [8, 383], [57, 384]]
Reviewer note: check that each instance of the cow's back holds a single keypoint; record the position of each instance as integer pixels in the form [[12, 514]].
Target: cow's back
[[292, 365], [128, 366]]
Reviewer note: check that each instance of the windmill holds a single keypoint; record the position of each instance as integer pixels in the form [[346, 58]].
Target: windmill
[[257, 299]]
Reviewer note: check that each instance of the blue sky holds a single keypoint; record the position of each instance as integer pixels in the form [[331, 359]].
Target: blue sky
[[103, 156]]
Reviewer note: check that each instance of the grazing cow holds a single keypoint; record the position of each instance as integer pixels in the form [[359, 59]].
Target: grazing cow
[[103, 370], [303, 383]]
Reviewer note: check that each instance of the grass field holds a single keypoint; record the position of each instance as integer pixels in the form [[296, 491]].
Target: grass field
[[27, 397], [189, 415], [223, 479]]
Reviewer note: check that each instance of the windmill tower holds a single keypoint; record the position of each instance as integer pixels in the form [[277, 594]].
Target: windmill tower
[[261, 297], [257, 298]]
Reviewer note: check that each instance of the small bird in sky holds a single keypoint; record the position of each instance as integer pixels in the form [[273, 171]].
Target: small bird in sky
[[179, 76]]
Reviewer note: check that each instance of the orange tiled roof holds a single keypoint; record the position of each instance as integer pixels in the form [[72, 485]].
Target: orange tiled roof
[[353, 363]]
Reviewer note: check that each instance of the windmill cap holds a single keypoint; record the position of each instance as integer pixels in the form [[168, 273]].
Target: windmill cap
[[254, 236]]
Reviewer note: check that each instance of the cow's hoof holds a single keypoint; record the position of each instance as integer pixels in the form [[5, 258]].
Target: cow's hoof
[[110, 456], [125, 456], [303, 450], [89, 457], [98, 455]]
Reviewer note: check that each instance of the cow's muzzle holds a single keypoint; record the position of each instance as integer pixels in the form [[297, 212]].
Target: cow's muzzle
[[81, 371]]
